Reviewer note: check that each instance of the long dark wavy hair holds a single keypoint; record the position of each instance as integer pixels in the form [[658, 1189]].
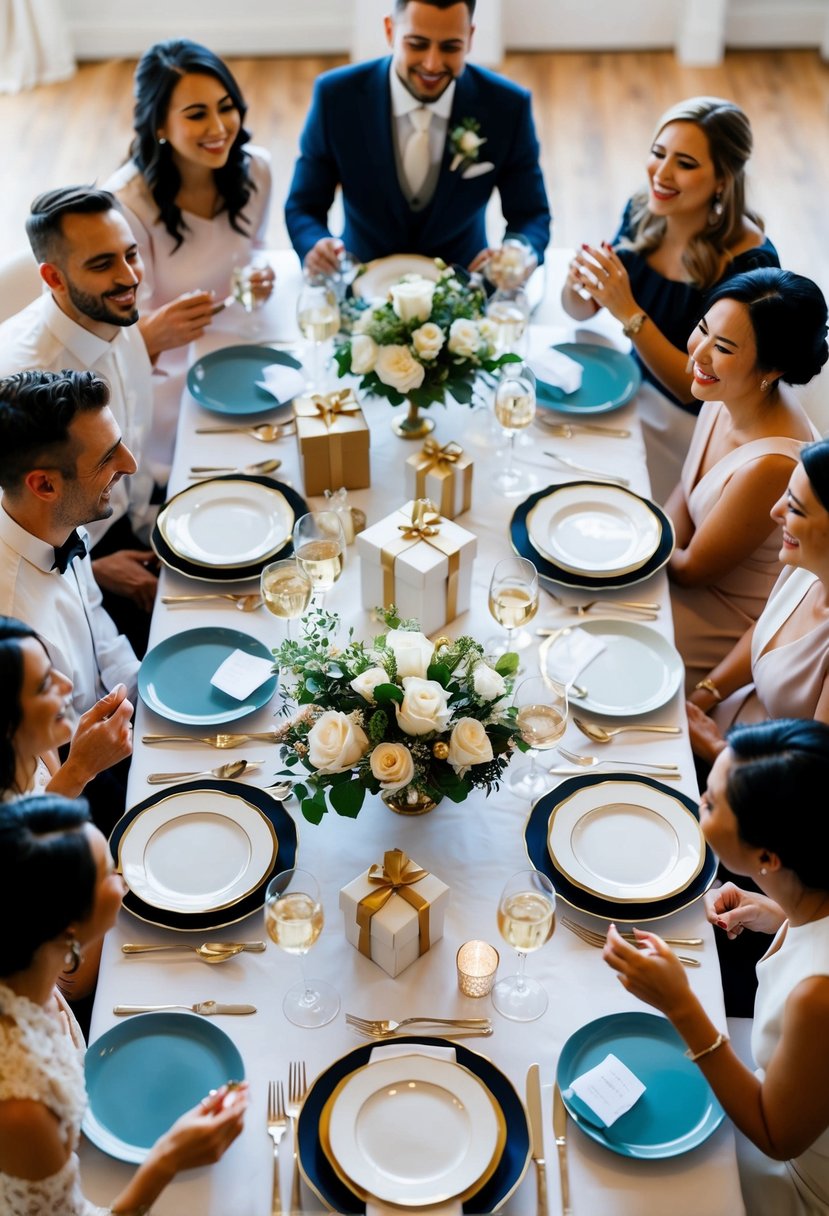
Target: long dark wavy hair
[[159, 71], [13, 634]]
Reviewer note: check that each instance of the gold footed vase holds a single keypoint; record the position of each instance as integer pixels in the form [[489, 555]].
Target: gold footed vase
[[403, 804], [414, 426]]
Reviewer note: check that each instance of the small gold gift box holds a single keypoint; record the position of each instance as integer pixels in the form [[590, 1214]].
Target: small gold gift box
[[394, 912], [442, 474], [333, 442]]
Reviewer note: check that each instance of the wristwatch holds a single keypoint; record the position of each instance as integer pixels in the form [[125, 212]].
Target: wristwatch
[[633, 324]]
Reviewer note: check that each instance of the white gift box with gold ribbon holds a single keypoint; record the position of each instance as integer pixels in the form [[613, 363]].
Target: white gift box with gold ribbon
[[420, 562], [394, 912], [443, 475]]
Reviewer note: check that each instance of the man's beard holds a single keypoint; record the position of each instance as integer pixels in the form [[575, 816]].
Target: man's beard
[[97, 309]]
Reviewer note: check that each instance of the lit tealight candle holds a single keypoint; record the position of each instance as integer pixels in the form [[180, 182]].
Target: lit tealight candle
[[477, 965]]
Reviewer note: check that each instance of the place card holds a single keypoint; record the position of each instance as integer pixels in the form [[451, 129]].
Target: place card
[[610, 1089], [240, 674]]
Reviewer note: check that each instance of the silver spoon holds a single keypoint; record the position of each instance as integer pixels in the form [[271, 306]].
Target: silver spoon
[[210, 952], [265, 432], [245, 603], [600, 734], [225, 772], [259, 467]]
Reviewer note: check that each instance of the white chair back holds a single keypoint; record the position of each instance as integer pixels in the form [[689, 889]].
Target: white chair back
[[20, 283]]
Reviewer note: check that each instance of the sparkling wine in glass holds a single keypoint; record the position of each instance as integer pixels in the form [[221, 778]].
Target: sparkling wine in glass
[[514, 410], [294, 920], [286, 590], [319, 548], [318, 317], [509, 311], [542, 708], [526, 921], [513, 602], [246, 289]]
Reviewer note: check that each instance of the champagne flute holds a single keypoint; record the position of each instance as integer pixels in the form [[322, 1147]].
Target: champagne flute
[[247, 291], [294, 920], [526, 920], [509, 311], [514, 410], [319, 547], [542, 719], [513, 601], [286, 590], [318, 317]]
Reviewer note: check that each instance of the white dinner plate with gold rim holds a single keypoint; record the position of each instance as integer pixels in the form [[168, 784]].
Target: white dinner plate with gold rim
[[626, 843], [197, 851], [594, 530], [413, 1130], [382, 273], [226, 523]]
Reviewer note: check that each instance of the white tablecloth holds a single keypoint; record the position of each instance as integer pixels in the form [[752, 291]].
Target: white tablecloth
[[474, 847]]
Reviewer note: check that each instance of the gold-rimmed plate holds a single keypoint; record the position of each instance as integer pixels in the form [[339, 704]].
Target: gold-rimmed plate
[[375, 279], [226, 523], [604, 530]]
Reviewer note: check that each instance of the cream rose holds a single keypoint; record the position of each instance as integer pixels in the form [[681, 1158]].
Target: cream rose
[[464, 338], [366, 682], [392, 765], [412, 299], [363, 354], [412, 651], [335, 743], [468, 745], [427, 340], [397, 367], [469, 142], [487, 682], [365, 320], [423, 708]]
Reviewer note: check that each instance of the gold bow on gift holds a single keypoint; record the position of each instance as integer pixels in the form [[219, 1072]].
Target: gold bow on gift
[[329, 405], [424, 525], [425, 521], [396, 876], [436, 455]]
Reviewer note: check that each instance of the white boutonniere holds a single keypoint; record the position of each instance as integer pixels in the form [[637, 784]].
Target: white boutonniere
[[465, 143]]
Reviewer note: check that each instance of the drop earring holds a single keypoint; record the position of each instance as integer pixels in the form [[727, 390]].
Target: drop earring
[[716, 208], [763, 871], [764, 385], [72, 958], [161, 140]]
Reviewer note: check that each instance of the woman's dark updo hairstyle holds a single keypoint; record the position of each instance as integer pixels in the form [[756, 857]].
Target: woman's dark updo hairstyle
[[788, 315], [159, 71], [12, 634], [47, 873], [774, 791], [815, 460]]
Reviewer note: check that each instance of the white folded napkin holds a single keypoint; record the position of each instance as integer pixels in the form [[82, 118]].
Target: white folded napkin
[[557, 369], [241, 673], [610, 1089], [570, 653], [388, 1051], [282, 382]]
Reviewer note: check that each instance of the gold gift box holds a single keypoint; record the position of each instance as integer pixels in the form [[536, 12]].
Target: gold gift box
[[442, 474], [333, 441]]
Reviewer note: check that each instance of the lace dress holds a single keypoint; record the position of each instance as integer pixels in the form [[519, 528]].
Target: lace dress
[[42, 1061]]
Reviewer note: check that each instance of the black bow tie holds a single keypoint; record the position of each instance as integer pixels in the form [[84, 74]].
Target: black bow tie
[[72, 547]]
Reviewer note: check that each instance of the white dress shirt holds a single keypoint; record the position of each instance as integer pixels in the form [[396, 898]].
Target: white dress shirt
[[402, 104], [66, 611], [43, 338]]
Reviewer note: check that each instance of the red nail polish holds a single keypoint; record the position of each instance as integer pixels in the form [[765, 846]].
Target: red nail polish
[[584, 246], [721, 924]]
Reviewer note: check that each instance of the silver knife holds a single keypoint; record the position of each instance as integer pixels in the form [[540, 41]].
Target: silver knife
[[628, 768], [560, 1129], [537, 1136], [205, 1008]]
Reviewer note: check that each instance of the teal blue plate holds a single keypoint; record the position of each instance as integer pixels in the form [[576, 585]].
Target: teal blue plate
[[146, 1072], [224, 381], [174, 677], [610, 380], [677, 1111]]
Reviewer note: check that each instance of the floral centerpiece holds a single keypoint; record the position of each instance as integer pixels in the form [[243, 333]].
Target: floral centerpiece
[[428, 339], [412, 720]]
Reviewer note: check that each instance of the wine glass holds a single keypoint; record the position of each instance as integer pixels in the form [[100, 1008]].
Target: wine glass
[[294, 920], [514, 410], [286, 590], [511, 265], [345, 274], [319, 547], [513, 600], [541, 702], [526, 920], [509, 311], [318, 317], [245, 288]]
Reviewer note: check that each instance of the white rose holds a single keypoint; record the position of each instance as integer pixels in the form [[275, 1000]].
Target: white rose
[[464, 338], [468, 744], [366, 682], [412, 651], [424, 707], [427, 340], [335, 743], [363, 354], [469, 142], [489, 685], [364, 321], [488, 331], [397, 367], [412, 299], [392, 765]]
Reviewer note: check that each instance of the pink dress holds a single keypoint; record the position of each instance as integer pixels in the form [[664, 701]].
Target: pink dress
[[708, 621]]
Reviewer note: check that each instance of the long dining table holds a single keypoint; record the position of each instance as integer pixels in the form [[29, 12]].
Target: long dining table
[[473, 846]]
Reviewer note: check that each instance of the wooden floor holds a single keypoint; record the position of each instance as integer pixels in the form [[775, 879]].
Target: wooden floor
[[595, 114]]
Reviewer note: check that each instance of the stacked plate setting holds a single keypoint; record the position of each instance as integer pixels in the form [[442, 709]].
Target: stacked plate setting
[[610, 379]]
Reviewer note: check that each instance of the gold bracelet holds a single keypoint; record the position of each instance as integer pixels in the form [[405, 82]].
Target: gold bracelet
[[706, 1051], [709, 686]]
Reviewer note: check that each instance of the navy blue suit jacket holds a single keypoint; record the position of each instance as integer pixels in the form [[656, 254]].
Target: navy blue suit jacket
[[347, 140]]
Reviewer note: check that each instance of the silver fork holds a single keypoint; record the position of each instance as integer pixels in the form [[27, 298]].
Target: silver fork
[[383, 1026], [297, 1089], [277, 1126], [595, 762]]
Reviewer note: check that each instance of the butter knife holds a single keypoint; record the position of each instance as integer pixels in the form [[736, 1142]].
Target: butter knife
[[560, 1129], [537, 1136], [205, 1008]]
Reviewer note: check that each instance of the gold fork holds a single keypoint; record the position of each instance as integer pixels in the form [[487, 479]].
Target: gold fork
[[598, 940], [220, 741], [297, 1089], [384, 1026], [277, 1126]]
